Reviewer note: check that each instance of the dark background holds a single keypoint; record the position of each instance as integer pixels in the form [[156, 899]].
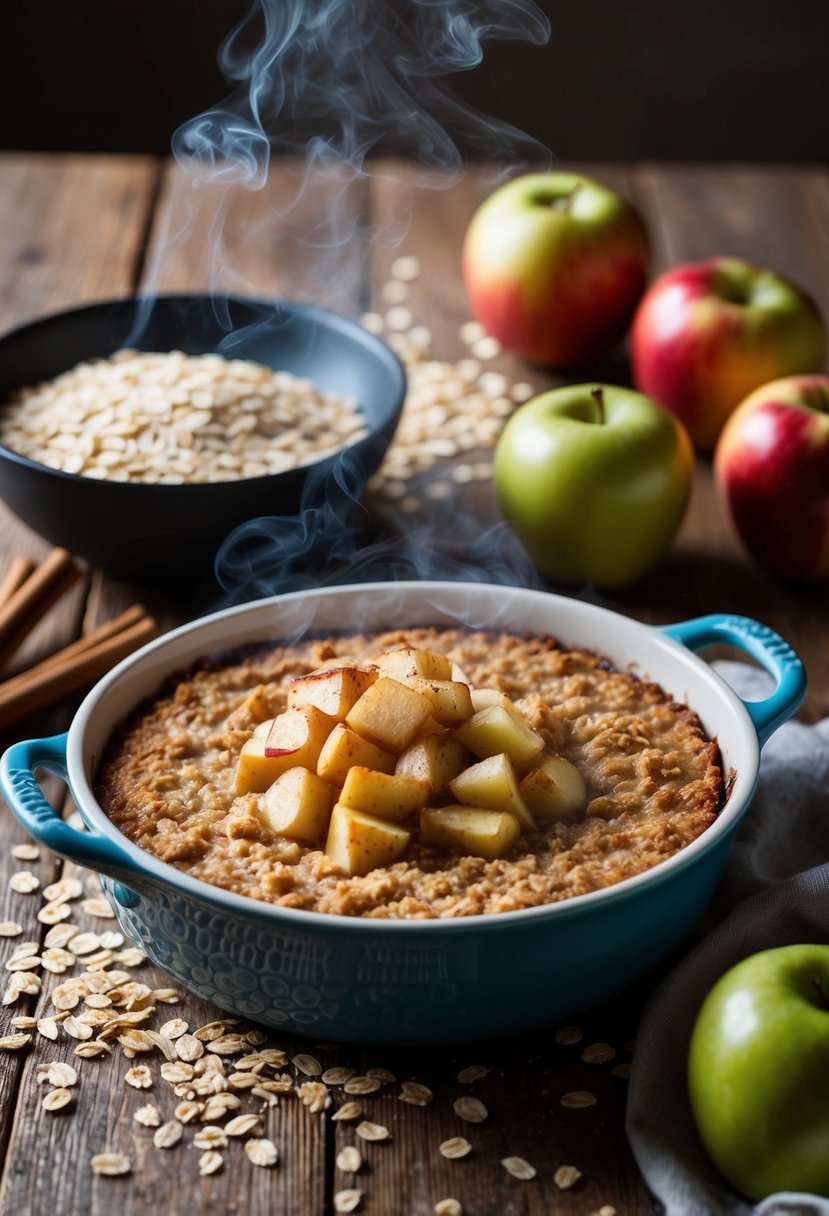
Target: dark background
[[623, 79]]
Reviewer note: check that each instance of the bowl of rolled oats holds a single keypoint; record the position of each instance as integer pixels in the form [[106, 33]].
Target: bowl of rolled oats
[[140, 432]]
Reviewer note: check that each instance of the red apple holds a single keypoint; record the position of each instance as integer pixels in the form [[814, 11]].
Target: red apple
[[554, 264], [772, 469], [708, 334]]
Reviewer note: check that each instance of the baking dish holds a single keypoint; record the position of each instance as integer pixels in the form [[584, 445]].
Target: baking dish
[[387, 981]]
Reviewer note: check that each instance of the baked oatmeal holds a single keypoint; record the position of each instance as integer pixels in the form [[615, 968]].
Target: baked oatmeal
[[171, 779]]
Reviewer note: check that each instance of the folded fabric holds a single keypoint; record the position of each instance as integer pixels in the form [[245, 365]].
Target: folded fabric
[[775, 892]]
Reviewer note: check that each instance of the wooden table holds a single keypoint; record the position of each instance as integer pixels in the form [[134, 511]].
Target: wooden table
[[76, 229]]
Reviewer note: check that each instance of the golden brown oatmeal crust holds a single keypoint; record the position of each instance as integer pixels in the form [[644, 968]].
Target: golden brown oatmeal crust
[[654, 781]]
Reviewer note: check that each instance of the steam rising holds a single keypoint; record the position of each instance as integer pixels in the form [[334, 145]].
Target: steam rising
[[333, 83], [338, 80]]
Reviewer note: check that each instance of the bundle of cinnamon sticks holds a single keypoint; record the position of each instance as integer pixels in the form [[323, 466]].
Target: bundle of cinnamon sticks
[[27, 593]]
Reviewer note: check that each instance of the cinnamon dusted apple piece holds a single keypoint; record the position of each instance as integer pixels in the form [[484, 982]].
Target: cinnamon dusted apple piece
[[481, 832], [434, 758], [492, 783], [450, 701], [405, 664], [333, 690], [387, 796], [389, 714], [554, 789], [358, 842], [298, 804], [497, 729], [343, 749]]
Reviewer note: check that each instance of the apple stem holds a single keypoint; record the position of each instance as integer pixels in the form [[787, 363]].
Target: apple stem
[[598, 396], [821, 991]]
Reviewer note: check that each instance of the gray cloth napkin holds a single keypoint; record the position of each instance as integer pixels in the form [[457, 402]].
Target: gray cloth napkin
[[775, 892]]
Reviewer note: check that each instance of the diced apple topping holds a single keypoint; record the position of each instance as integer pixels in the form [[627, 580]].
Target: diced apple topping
[[498, 729], [255, 771], [449, 700], [343, 749], [436, 759], [298, 804], [389, 797], [492, 783], [483, 833], [334, 690], [407, 664], [555, 789], [384, 744], [299, 734], [358, 842], [389, 714]]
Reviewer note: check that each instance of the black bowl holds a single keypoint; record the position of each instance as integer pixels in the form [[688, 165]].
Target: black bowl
[[130, 528]]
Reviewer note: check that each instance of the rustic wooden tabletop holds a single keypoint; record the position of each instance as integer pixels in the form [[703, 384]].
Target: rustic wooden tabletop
[[75, 229]]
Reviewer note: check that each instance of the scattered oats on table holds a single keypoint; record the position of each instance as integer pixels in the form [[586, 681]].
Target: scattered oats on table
[[519, 1168], [471, 1110], [578, 1099], [261, 1152], [349, 1159], [455, 1148], [566, 1176], [347, 1201]]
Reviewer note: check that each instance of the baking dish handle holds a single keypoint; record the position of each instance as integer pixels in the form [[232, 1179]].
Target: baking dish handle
[[26, 799], [764, 645]]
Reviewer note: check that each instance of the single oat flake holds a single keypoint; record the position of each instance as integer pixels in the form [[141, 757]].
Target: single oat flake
[[347, 1201], [243, 1124], [448, 1207], [362, 1085], [307, 1064], [519, 1168], [10, 928], [261, 1152], [13, 1042], [415, 1094], [349, 1159], [455, 1148], [111, 1165], [169, 1134], [148, 1116], [373, 1131], [24, 882], [210, 1162], [578, 1099], [25, 852], [566, 1176], [56, 1099], [139, 1077], [598, 1053], [347, 1112], [567, 1035], [471, 1110], [473, 1073]]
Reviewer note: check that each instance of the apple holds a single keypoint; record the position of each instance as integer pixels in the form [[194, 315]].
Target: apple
[[772, 469], [554, 264], [757, 1068], [707, 334], [595, 480]]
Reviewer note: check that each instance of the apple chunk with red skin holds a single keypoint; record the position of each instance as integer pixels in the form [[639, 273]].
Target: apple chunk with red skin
[[334, 690], [554, 264], [709, 333], [772, 470]]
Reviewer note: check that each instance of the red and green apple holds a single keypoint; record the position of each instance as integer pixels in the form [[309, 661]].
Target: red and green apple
[[772, 469], [757, 1068], [595, 480], [707, 334], [554, 264]]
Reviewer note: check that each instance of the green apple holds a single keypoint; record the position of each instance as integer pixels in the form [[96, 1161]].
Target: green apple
[[758, 1072], [595, 479]]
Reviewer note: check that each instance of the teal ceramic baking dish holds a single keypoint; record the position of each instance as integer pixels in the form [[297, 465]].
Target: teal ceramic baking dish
[[410, 982]]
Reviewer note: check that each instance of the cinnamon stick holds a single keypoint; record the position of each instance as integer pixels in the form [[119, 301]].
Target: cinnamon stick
[[19, 570], [33, 599], [118, 624], [59, 676]]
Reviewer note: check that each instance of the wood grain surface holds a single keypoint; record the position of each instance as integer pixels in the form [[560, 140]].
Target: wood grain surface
[[80, 228]]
